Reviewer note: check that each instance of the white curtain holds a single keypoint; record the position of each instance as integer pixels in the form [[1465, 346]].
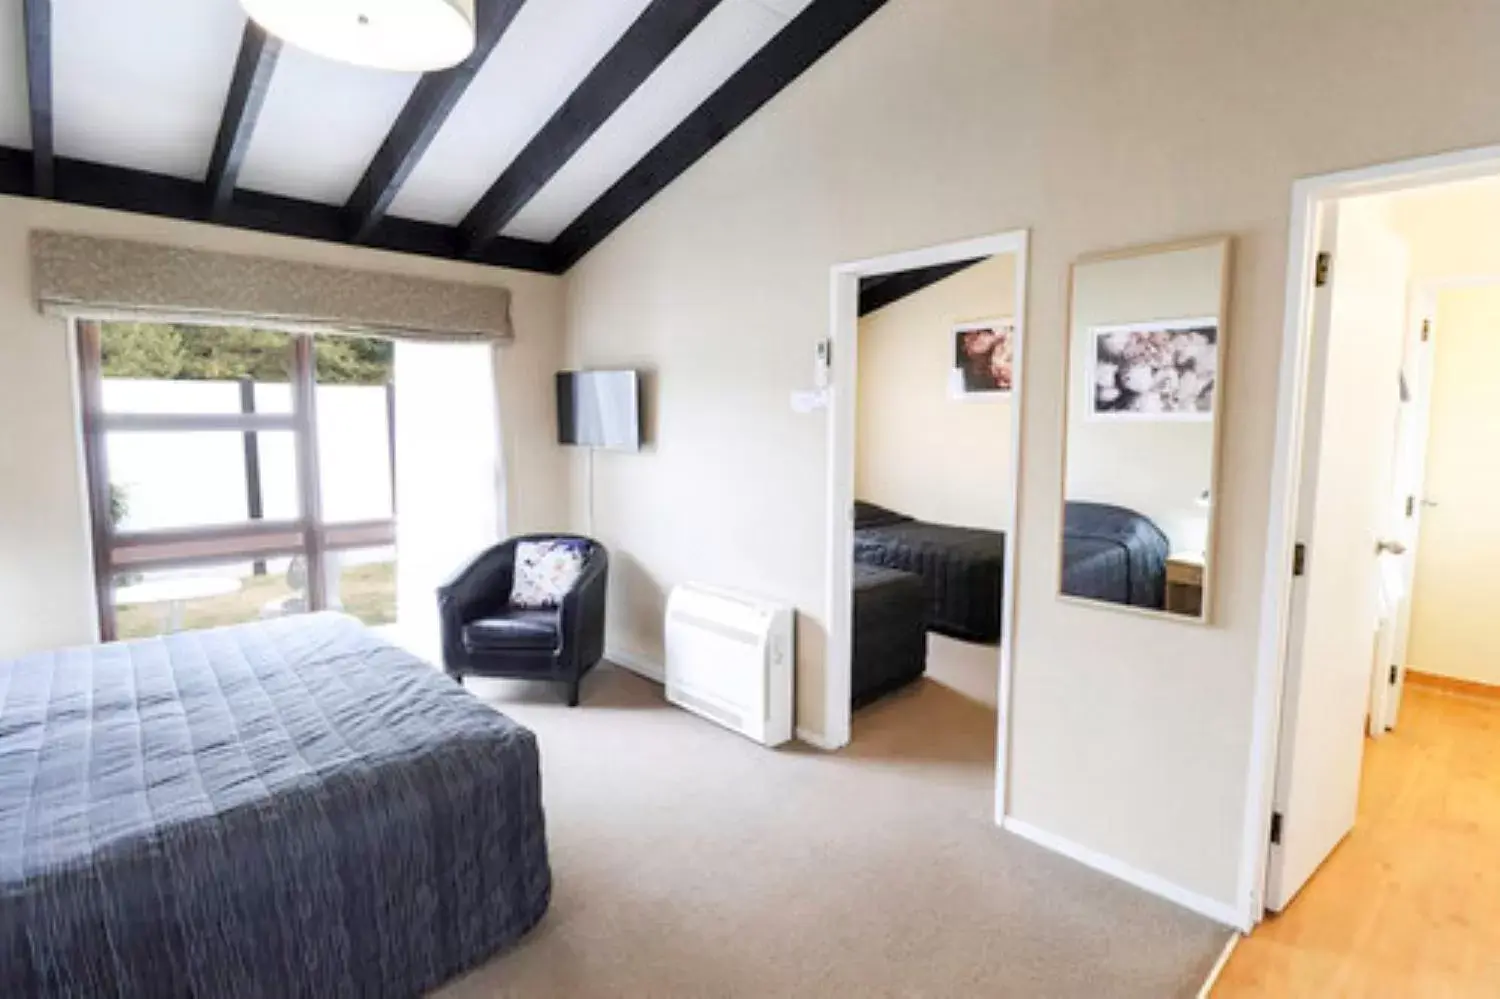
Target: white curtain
[[449, 480]]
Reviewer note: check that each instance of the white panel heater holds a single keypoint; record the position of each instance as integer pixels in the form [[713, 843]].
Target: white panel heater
[[730, 659]]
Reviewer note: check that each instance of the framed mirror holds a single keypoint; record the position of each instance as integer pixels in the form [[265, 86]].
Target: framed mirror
[[1144, 411]]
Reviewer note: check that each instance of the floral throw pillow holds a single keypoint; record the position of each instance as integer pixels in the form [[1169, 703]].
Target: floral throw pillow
[[545, 572]]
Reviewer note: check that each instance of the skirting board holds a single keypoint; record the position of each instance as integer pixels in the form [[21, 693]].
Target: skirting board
[[1219, 912], [639, 665], [1452, 685]]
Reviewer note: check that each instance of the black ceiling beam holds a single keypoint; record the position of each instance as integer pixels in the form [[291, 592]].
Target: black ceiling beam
[[646, 44], [38, 19], [247, 93], [126, 190], [434, 98], [811, 35], [887, 289]]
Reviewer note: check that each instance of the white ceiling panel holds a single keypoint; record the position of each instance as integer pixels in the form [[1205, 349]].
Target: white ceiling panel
[[321, 124], [15, 114], [724, 42], [786, 8], [548, 50], [141, 83]]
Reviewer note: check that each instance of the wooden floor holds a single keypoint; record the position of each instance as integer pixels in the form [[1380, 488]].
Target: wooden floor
[[1409, 905]]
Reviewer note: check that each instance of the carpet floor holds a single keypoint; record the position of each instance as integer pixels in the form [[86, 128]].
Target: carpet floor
[[690, 862]]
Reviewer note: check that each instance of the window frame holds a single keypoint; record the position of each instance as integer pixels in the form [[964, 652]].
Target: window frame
[[251, 540]]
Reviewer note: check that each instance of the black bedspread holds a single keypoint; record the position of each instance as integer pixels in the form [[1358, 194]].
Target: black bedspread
[[1114, 554], [890, 634], [293, 808], [962, 568]]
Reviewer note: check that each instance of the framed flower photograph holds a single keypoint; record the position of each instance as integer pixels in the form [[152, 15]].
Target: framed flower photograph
[[1162, 370], [983, 359]]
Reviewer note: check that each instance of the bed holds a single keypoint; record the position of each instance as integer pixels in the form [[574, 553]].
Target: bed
[[889, 642], [1114, 554], [1109, 553], [962, 568], [288, 808]]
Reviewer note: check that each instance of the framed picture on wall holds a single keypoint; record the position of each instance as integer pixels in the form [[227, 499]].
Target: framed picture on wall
[[983, 359], [1162, 370]]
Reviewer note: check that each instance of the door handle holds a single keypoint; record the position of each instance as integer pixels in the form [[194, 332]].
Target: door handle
[[1390, 548]]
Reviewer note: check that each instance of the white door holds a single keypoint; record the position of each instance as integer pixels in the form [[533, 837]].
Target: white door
[[1353, 397], [1457, 593], [1411, 466]]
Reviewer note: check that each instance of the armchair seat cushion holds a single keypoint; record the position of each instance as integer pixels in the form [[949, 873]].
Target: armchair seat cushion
[[513, 629]]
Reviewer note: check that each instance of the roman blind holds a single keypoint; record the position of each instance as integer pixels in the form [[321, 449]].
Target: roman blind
[[100, 278]]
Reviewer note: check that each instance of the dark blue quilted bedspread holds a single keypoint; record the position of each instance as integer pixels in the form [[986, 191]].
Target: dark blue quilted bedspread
[[292, 808], [1111, 553], [962, 571]]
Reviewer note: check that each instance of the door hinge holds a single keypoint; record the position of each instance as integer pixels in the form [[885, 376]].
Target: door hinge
[[1320, 269], [1426, 329], [1411, 505], [1276, 828], [1393, 674], [1299, 559]]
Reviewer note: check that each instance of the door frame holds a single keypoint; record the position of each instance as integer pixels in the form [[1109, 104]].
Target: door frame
[[1309, 195], [841, 397]]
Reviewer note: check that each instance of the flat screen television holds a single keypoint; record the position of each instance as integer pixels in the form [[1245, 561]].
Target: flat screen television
[[599, 409]]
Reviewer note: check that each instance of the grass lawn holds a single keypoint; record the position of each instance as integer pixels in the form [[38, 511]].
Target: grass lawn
[[368, 593]]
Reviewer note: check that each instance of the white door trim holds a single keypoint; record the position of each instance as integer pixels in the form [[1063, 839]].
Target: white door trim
[[1307, 196], [844, 336]]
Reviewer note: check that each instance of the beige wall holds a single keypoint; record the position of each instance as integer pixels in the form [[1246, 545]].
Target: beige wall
[[918, 450], [1156, 468], [1457, 590], [1098, 124], [45, 572]]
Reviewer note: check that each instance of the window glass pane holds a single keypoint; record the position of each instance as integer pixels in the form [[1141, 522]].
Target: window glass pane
[[159, 602], [354, 406], [161, 480], [362, 582], [175, 368]]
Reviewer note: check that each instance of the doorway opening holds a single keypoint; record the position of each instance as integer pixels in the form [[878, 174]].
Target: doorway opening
[[1375, 575], [926, 359]]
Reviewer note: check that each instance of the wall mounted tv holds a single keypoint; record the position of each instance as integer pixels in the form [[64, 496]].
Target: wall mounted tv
[[599, 409]]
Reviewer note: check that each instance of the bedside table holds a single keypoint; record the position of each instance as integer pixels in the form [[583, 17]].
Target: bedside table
[[1185, 583]]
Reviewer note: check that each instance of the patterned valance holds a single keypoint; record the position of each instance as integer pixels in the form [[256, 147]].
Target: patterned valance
[[97, 278]]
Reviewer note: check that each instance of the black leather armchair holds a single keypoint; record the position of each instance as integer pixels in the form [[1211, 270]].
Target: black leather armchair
[[484, 636]]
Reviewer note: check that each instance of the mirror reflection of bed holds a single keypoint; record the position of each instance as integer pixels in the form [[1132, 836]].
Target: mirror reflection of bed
[[932, 481]]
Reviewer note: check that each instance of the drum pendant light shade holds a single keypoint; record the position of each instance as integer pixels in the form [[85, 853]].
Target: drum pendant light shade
[[410, 35]]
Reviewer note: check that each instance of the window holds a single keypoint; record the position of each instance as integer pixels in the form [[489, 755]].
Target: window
[[237, 474]]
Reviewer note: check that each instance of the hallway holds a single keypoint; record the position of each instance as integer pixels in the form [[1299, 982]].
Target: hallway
[[1409, 904]]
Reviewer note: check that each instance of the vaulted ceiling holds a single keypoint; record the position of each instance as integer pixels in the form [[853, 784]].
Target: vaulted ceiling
[[570, 115]]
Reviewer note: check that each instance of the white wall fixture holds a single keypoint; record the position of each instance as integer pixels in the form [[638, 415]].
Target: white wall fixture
[[407, 35], [809, 400], [729, 659]]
